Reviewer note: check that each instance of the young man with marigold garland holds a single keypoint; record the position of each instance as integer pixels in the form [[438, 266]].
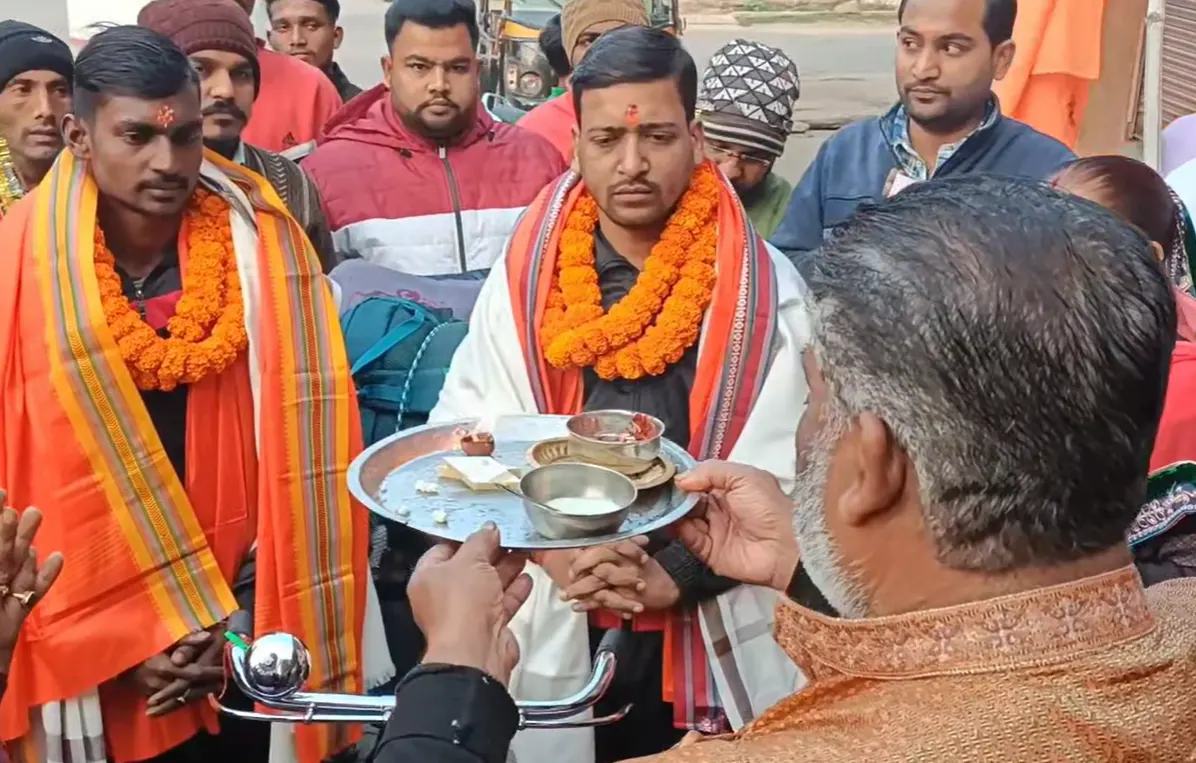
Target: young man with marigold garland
[[176, 399], [641, 285]]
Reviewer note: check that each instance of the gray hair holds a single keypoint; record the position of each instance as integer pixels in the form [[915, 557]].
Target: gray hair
[[1016, 341]]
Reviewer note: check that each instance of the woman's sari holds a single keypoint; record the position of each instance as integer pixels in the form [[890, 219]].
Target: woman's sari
[[1163, 537]]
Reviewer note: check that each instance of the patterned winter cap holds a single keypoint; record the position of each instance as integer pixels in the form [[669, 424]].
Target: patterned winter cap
[[748, 94]]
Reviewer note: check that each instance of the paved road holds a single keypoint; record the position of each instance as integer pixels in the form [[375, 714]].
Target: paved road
[[845, 71]]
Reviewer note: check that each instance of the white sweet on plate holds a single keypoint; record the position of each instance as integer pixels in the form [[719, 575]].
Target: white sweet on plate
[[477, 472], [439, 517], [423, 487]]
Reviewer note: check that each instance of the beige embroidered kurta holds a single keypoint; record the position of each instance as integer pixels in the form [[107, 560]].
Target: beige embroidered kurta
[[1097, 670]]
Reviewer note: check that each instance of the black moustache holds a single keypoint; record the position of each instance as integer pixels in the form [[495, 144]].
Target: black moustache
[[226, 109]]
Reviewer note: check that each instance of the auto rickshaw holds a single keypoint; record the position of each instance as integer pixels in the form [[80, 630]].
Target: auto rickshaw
[[515, 74]]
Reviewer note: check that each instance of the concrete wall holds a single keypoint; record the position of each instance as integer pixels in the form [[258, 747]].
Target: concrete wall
[[82, 14], [86, 13]]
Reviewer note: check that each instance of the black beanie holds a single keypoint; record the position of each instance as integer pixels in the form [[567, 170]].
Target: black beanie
[[26, 48]]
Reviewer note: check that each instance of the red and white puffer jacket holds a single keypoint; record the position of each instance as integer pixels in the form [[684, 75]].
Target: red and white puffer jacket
[[394, 198]]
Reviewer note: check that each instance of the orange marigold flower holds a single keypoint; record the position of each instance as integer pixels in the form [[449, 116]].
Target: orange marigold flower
[[620, 335], [660, 317], [207, 332], [606, 368], [690, 290], [674, 354], [579, 277], [595, 338], [655, 284], [581, 314], [628, 362], [700, 272], [689, 313], [580, 355], [581, 294]]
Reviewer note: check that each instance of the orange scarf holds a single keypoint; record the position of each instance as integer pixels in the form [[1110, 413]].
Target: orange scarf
[[729, 375], [150, 559]]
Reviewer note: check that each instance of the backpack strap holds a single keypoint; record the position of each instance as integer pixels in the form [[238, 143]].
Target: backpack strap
[[392, 338], [415, 366]]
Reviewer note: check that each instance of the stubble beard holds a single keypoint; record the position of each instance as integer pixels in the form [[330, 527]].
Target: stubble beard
[[819, 555]]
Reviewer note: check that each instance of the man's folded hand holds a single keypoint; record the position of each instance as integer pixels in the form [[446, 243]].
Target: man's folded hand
[[196, 670]]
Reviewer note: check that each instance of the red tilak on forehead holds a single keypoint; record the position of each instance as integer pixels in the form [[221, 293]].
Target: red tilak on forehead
[[632, 116], [165, 116]]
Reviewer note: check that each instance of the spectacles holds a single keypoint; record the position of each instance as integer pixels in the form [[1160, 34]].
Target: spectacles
[[724, 154]]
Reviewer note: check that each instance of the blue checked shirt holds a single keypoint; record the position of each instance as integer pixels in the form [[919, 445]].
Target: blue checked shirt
[[895, 126]]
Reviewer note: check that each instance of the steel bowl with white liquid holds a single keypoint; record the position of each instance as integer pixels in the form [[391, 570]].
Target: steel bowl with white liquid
[[571, 500], [600, 437]]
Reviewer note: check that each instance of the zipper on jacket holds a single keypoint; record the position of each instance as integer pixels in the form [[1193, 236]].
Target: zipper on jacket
[[139, 296], [452, 183]]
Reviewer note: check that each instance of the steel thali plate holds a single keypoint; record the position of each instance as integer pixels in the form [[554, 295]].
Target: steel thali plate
[[384, 478]]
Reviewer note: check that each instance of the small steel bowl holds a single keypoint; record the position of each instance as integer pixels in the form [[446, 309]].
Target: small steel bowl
[[548, 483], [589, 441]]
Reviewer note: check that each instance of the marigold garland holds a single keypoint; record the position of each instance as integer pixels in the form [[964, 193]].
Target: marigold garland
[[207, 331], [660, 317]]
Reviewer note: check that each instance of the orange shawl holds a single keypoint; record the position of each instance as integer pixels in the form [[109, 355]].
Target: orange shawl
[[742, 315], [150, 559]]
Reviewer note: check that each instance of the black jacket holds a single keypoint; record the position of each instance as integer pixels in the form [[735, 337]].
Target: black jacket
[[347, 90], [448, 714]]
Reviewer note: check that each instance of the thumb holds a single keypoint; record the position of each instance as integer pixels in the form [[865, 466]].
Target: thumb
[[483, 545], [694, 534], [708, 476]]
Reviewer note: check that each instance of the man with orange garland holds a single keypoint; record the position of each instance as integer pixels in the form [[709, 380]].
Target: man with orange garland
[[642, 285], [177, 400]]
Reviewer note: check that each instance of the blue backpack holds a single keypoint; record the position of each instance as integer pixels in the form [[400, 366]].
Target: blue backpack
[[400, 352]]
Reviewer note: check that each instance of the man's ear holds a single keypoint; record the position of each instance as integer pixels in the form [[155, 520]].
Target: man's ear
[[1003, 59], [698, 134], [77, 137], [387, 64], [876, 469], [338, 36]]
